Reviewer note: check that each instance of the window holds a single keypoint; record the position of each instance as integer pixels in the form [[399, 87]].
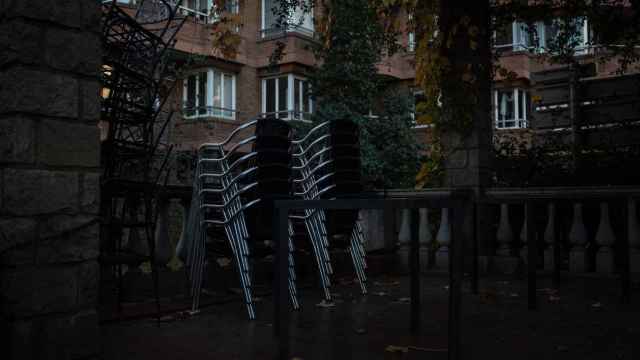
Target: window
[[513, 36], [411, 35], [511, 108], [209, 93], [298, 20], [287, 97], [205, 10], [517, 36], [551, 31]]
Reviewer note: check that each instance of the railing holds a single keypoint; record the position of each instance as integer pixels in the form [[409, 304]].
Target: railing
[[209, 112], [277, 32], [556, 230], [198, 16], [289, 115]]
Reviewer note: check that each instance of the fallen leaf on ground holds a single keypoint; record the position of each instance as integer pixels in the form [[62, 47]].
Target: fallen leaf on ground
[[223, 262], [426, 349], [325, 304], [394, 348]]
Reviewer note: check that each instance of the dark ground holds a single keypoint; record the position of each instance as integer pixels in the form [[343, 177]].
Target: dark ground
[[583, 320]]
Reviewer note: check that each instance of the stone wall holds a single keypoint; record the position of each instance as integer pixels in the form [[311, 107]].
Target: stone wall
[[49, 178]]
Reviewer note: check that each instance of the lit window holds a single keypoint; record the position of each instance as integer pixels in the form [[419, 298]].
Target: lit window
[[511, 108], [209, 93], [299, 20], [287, 97]]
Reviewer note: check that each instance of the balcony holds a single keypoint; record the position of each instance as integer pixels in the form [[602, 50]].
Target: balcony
[[208, 112]]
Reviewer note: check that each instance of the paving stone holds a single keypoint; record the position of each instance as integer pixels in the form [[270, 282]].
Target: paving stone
[[90, 193], [31, 291], [29, 192], [63, 12], [74, 51], [72, 246], [38, 92], [69, 144], [17, 237], [17, 140], [21, 42]]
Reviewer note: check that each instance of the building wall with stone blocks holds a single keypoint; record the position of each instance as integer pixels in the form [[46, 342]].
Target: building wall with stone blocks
[[49, 178]]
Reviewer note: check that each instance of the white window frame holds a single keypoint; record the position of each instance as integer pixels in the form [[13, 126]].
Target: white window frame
[[307, 26], [519, 121], [520, 38], [290, 109], [211, 110]]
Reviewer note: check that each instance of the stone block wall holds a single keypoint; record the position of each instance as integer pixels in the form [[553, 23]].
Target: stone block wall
[[49, 178]]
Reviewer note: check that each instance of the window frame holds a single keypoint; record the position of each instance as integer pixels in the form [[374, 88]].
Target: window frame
[[297, 27], [211, 111], [290, 109], [520, 38], [520, 121]]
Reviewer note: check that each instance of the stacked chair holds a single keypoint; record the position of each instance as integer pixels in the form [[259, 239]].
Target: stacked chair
[[237, 192], [238, 179], [320, 173]]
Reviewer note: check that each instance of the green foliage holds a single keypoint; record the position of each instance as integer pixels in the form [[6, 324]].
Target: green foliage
[[390, 152], [349, 50], [347, 84], [551, 162]]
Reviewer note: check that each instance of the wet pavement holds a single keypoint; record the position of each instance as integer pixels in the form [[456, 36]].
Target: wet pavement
[[582, 319]]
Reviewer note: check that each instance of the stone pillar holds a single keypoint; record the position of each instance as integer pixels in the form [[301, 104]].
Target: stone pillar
[[182, 248], [504, 235], [524, 250], [578, 240], [373, 228], [443, 238], [425, 238], [605, 238], [404, 241], [466, 137], [633, 229], [49, 178], [506, 261], [161, 238], [550, 238]]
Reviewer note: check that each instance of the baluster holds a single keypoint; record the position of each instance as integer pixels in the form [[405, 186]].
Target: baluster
[[443, 238], [578, 240], [136, 243], [550, 238], [524, 250], [425, 237], [404, 238], [605, 238], [182, 247], [163, 247], [634, 237], [504, 235]]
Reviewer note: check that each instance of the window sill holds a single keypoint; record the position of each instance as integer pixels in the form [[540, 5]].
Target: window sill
[[266, 35], [207, 118]]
